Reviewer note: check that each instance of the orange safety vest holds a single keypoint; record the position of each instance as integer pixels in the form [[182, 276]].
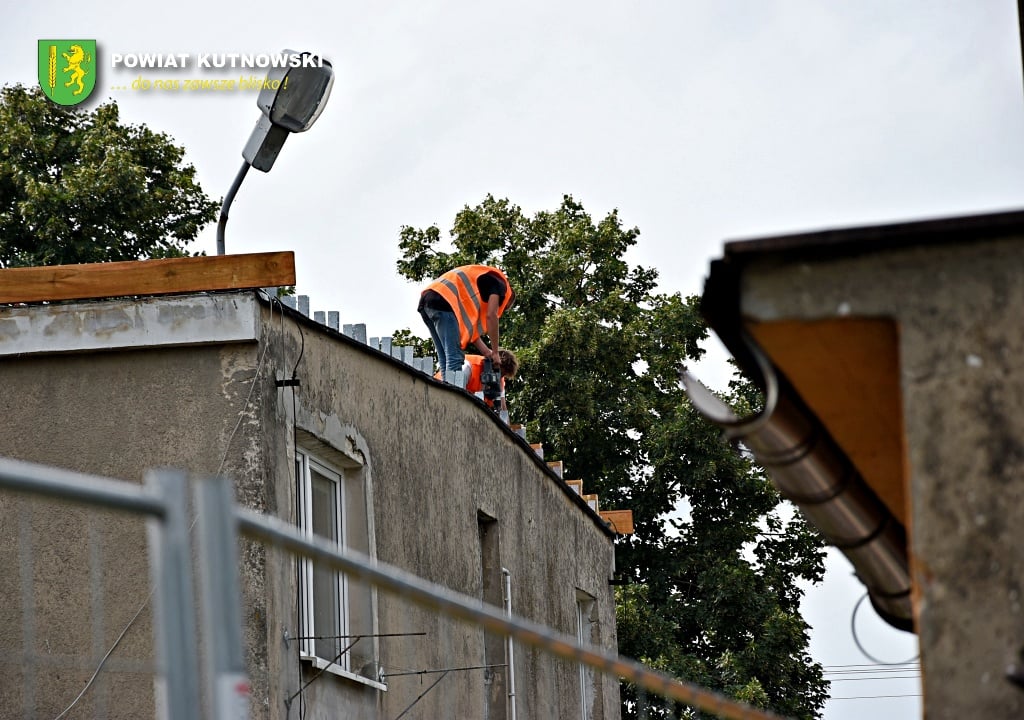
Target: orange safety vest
[[476, 368], [458, 287]]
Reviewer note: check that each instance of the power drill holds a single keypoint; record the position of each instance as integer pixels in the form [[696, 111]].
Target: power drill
[[490, 379]]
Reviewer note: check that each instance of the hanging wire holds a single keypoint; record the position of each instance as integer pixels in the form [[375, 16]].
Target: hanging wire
[[853, 632], [322, 670], [874, 697], [422, 695], [445, 670]]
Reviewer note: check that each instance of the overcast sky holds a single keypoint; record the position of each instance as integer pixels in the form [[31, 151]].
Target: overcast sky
[[700, 121]]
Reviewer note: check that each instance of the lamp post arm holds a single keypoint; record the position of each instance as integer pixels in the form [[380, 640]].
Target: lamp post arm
[[228, 199]]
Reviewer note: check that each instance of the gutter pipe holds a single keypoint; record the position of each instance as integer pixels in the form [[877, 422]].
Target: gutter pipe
[[808, 468], [506, 585]]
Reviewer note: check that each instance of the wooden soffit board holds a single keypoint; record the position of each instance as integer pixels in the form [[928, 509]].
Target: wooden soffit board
[[147, 277], [847, 372]]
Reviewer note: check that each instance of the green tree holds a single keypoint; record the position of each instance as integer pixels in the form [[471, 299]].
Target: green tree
[[710, 579], [77, 186]]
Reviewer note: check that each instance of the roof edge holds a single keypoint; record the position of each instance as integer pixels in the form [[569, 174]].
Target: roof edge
[[447, 387], [861, 239]]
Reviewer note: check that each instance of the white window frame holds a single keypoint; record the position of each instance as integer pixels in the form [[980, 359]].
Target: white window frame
[[306, 462], [586, 613]]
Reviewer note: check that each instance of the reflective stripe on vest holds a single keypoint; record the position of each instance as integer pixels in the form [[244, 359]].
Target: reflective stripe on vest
[[465, 321], [458, 287]]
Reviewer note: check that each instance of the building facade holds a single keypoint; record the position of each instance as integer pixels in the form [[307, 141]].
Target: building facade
[[325, 432]]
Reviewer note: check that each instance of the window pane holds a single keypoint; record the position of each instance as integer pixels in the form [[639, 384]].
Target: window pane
[[326, 597], [325, 505]]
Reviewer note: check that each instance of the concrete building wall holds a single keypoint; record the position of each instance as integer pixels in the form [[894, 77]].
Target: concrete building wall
[[958, 308], [78, 576], [435, 463]]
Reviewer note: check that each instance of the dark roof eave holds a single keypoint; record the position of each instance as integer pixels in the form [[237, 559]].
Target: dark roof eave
[[852, 241]]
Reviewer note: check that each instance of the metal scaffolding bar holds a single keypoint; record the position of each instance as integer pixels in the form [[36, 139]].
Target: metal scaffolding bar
[[287, 536], [78, 487]]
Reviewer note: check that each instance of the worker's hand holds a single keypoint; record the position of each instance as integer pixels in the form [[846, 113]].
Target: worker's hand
[[495, 357]]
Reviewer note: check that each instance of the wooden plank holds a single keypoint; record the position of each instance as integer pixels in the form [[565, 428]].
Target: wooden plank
[[847, 370], [147, 277], [620, 520]]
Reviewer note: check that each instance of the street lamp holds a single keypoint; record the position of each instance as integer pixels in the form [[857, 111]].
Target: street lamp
[[291, 101]]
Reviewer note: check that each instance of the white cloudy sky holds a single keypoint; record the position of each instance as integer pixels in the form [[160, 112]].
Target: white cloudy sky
[[700, 121]]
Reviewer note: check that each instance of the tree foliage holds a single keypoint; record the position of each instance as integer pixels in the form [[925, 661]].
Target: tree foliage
[[77, 186], [710, 591]]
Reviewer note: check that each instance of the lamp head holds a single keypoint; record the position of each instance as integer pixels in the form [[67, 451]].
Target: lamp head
[[292, 101], [296, 95]]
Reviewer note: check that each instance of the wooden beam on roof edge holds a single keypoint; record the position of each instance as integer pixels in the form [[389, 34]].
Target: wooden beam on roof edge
[[147, 277], [621, 521]]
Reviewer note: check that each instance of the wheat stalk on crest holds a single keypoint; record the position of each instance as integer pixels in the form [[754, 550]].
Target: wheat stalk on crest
[[53, 67]]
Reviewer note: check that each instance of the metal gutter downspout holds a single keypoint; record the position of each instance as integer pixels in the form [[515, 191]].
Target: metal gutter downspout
[[509, 647], [808, 468]]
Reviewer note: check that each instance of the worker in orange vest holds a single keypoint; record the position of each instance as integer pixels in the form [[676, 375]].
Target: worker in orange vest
[[462, 306], [508, 366]]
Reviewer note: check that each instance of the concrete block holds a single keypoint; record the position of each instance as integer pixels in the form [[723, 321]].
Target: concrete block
[[332, 319], [320, 316], [385, 345], [359, 332], [348, 330], [289, 301], [304, 305]]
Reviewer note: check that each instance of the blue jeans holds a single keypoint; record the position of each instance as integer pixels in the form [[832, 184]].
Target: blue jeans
[[444, 331]]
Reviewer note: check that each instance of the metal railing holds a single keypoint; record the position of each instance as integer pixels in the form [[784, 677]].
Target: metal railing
[[163, 500]]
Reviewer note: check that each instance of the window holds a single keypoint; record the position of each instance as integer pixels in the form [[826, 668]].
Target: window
[[336, 612], [586, 623]]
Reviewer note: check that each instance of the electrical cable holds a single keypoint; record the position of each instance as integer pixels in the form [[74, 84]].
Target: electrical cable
[[245, 405], [103, 661], [877, 671], [853, 632], [422, 695], [446, 670], [828, 668], [893, 677], [322, 670], [873, 697], [298, 510]]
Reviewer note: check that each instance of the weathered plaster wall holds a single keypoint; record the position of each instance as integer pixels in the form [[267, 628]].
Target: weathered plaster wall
[[77, 576], [959, 312], [435, 460]]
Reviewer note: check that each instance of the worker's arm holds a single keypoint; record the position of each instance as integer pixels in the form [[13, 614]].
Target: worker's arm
[[482, 347], [492, 326]]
